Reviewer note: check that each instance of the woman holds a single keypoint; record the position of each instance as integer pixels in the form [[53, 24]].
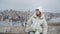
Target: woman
[[37, 23]]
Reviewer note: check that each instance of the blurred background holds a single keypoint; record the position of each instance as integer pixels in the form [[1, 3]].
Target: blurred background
[[15, 13]]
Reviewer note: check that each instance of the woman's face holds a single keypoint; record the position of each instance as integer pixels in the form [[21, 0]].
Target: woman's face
[[38, 13]]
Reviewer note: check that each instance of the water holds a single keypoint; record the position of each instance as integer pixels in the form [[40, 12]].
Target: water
[[54, 21], [3, 23]]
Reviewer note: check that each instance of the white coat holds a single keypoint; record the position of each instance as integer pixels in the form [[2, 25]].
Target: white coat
[[37, 24]]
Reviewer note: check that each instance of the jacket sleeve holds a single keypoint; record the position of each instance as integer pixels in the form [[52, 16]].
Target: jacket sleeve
[[45, 26], [29, 22], [28, 25]]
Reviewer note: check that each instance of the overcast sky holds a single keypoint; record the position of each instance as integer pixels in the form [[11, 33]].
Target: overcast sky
[[49, 5]]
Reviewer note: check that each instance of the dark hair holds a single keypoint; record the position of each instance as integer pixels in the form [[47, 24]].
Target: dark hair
[[37, 9]]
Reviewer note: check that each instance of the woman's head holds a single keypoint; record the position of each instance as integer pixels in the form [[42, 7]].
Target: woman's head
[[38, 12]]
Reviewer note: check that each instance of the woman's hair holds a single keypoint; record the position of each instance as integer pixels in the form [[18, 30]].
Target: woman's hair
[[37, 9]]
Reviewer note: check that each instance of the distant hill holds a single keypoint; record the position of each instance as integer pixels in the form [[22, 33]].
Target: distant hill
[[25, 15]]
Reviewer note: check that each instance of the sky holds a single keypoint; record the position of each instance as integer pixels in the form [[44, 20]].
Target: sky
[[48, 5]]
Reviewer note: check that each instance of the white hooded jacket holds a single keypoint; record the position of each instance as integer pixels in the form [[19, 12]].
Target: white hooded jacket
[[37, 24]]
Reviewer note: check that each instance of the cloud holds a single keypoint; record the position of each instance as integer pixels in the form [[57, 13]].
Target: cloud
[[19, 4], [30, 4]]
